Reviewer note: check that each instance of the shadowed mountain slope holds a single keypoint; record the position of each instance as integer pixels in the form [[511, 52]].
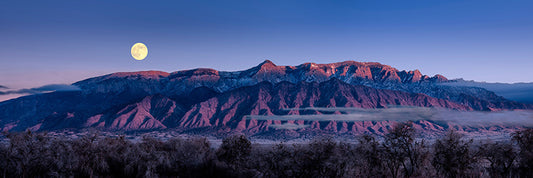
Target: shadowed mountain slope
[[214, 100]]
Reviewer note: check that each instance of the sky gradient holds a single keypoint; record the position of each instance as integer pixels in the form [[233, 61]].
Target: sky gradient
[[60, 41]]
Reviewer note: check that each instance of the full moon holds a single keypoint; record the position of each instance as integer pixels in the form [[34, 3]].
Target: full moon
[[139, 51]]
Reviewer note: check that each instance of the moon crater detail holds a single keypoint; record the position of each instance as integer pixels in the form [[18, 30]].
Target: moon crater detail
[[139, 51]]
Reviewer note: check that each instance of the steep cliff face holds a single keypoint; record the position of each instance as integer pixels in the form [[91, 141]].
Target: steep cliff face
[[153, 112]]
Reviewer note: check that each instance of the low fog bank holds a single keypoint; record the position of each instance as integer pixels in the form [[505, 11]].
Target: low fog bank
[[402, 114]]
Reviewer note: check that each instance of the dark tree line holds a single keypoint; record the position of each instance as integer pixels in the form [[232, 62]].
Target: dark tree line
[[398, 154]]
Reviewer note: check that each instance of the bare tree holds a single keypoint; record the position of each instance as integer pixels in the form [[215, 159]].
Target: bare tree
[[399, 154], [524, 139], [501, 156], [28, 154], [90, 156], [234, 150], [370, 154], [453, 155], [279, 160], [64, 160], [4, 160], [319, 158], [187, 157], [403, 154]]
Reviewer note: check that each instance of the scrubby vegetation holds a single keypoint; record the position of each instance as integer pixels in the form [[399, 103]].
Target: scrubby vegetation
[[397, 154]]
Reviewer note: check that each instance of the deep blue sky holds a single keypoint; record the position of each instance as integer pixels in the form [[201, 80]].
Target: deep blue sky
[[58, 41]]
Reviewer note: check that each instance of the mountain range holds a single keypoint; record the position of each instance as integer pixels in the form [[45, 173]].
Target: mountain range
[[210, 101], [521, 92]]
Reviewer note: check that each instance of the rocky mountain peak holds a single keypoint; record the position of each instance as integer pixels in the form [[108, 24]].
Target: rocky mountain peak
[[439, 78], [266, 65]]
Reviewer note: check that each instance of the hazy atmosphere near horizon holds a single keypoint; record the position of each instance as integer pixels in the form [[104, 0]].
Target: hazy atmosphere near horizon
[[60, 42]]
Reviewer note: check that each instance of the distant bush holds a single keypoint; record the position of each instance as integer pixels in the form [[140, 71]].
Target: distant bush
[[396, 154]]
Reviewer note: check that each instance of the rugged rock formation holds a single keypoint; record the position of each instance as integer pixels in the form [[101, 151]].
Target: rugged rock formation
[[182, 82], [208, 100], [230, 109]]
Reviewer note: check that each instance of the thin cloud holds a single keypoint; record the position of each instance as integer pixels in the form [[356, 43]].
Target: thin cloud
[[289, 126], [42, 89]]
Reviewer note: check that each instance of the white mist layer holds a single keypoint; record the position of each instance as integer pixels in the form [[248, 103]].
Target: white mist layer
[[466, 118]]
